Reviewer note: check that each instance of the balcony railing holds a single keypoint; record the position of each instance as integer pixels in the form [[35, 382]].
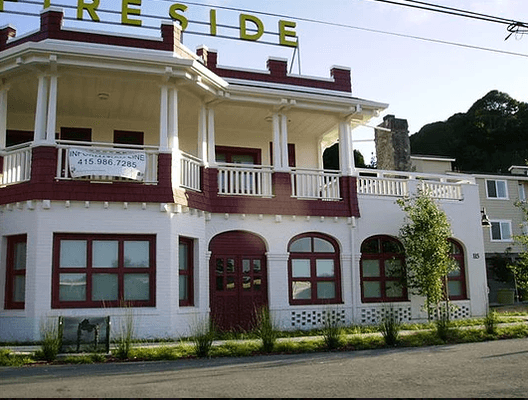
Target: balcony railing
[[109, 150], [17, 164], [190, 175], [315, 184], [244, 180], [397, 184]]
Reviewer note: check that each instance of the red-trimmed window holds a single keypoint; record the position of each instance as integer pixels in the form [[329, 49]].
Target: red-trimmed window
[[15, 295], [314, 270], [129, 137], [103, 270], [456, 280], [382, 268], [186, 271]]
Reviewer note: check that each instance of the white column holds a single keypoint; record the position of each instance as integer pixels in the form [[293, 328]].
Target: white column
[[350, 147], [277, 156], [164, 119], [284, 142], [211, 141], [41, 111], [52, 110], [3, 116], [174, 142], [346, 155], [202, 135]]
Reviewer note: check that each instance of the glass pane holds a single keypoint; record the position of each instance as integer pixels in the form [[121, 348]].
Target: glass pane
[[219, 283], [220, 157], [456, 271], [455, 288], [242, 159], [506, 231], [20, 256], [391, 246], [501, 189], [301, 290], [370, 247], [371, 289], [300, 268], [371, 268], [184, 293], [492, 192], [256, 266], [183, 256], [104, 253], [72, 287], [324, 268], [230, 265], [219, 266], [19, 289], [246, 266], [455, 248], [137, 254], [302, 245], [495, 231], [230, 283], [323, 246], [326, 290], [104, 287], [393, 268], [257, 283], [246, 282], [73, 254], [137, 287], [393, 289]]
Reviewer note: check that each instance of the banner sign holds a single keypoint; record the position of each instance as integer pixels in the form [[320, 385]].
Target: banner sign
[[90, 162]]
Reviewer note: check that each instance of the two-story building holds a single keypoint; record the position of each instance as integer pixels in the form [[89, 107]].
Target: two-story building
[[137, 172]]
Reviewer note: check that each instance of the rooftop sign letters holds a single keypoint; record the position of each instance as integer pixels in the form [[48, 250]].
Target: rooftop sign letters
[[250, 27]]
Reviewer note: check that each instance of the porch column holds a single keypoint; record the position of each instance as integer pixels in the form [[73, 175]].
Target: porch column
[[211, 140], [277, 158], [3, 116], [52, 110], [284, 142], [202, 135], [174, 142], [164, 118], [346, 153], [40, 114]]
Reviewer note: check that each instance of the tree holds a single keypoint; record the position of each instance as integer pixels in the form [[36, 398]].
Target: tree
[[427, 249], [331, 158], [519, 268]]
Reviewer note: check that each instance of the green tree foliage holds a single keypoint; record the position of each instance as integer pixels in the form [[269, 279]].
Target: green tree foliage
[[490, 137], [331, 158], [519, 268], [425, 237]]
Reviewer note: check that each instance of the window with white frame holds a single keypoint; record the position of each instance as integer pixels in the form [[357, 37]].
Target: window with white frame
[[501, 231], [522, 192], [496, 189]]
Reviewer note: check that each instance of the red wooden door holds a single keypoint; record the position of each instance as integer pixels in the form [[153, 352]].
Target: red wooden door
[[238, 280]]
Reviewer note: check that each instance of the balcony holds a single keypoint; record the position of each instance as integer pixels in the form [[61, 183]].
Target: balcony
[[16, 166]]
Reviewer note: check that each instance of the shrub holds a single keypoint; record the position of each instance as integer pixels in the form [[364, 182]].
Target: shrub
[[443, 325], [265, 330], [8, 359], [125, 335], [203, 334], [332, 331], [390, 328], [50, 337], [490, 322]]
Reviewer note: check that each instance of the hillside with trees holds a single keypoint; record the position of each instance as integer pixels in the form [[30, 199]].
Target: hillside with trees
[[490, 137]]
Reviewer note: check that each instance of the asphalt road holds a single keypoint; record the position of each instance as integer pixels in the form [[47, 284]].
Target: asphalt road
[[490, 369]]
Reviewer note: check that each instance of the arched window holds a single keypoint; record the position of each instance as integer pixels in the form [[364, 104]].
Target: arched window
[[314, 270], [382, 270], [456, 280]]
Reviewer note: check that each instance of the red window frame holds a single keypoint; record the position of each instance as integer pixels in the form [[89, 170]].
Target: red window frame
[[189, 272], [459, 257], [12, 273], [382, 278], [129, 137], [120, 271], [314, 279], [245, 151]]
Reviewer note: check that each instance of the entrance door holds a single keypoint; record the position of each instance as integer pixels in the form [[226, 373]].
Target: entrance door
[[238, 285]]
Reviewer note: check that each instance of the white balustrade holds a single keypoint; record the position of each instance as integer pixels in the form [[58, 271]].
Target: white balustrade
[[396, 183], [191, 172], [16, 164], [151, 165], [245, 180], [315, 184]]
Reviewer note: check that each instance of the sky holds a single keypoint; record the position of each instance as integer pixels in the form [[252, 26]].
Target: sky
[[422, 81]]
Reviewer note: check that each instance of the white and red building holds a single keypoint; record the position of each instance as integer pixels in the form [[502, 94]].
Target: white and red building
[[136, 171]]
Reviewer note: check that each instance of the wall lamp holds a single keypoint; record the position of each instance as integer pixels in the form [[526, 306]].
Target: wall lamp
[[484, 220]]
